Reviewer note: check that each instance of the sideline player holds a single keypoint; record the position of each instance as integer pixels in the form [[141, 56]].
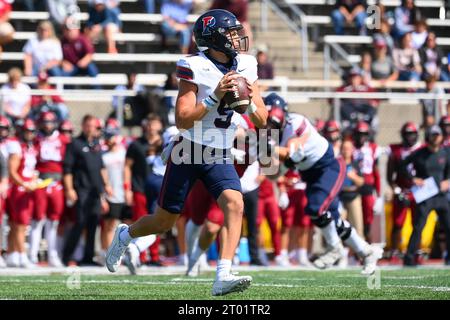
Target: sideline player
[[205, 121], [304, 149]]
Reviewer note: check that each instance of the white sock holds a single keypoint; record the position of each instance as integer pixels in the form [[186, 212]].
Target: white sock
[[283, 253], [51, 227], [35, 238], [195, 256], [357, 244], [13, 257], [124, 236], [142, 243], [192, 234], [223, 269], [302, 254], [330, 234]]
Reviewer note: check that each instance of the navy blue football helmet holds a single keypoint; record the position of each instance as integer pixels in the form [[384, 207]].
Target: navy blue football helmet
[[215, 29], [274, 100]]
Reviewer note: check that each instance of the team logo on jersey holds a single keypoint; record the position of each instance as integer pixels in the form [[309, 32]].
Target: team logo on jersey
[[208, 22]]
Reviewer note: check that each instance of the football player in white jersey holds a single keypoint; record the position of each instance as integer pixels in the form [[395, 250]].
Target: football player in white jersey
[[304, 149], [207, 134]]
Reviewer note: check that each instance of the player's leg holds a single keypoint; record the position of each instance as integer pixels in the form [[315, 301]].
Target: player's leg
[[273, 216], [287, 219], [37, 223], [443, 212], [177, 182], [208, 234], [419, 220], [262, 255], [302, 223], [181, 236], [55, 209], [2, 262], [368, 201], [223, 183], [399, 213]]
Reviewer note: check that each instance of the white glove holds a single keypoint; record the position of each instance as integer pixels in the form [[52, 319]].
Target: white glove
[[283, 201], [238, 155], [296, 153], [378, 206]]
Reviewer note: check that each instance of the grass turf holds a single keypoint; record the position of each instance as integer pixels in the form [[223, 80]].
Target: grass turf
[[284, 285]]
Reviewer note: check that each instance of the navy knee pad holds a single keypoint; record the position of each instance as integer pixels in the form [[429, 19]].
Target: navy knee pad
[[322, 220]]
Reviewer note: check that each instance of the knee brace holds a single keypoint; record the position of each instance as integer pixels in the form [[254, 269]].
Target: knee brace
[[343, 228], [322, 220]]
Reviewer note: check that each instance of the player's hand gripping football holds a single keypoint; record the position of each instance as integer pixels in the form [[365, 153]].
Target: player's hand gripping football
[[226, 84]]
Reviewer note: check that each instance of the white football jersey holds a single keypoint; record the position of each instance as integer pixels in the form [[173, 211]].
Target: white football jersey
[[316, 145], [216, 129]]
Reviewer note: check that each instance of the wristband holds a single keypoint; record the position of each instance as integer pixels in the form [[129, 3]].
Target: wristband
[[210, 101], [252, 108]]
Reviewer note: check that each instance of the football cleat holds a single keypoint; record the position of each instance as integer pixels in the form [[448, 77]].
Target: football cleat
[[370, 261], [116, 250], [329, 258], [231, 283]]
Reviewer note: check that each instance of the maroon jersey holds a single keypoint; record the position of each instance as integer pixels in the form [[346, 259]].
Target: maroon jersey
[[397, 153], [367, 155], [28, 157], [51, 152]]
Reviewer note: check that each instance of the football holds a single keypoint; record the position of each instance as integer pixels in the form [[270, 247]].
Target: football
[[239, 99]]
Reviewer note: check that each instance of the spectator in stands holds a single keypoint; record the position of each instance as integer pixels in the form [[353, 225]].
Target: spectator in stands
[[405, 17], [149, 6], [366, 67], [59, 10], [347, 11], [431, 107], [101, 18], [85, 184], [384, 34], [349, 196], [78, 51], [407, 60], [42, 103], [6, 29], [265, 67], [240, 9], [16, 96], [354, 110], [169, 101], [383, 67], [420, 34], [431, 57], [43, 52], [175, 13]]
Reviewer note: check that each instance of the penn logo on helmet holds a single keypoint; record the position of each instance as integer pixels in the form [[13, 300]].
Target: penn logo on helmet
[[208, 21]]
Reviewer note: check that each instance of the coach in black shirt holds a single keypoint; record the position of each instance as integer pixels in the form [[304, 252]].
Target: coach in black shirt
[[433, 160], [85, 181]]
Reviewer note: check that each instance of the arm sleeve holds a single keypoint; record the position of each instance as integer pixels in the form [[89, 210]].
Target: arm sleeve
[[69, 159], [184, 71]]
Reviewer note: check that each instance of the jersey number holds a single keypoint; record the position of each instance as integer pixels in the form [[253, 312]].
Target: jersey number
[[226, 114]]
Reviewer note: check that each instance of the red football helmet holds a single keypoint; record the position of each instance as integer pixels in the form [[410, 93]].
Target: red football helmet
[[66, 125], [331, 126], [362, 127], [112, 123], [47, 116], [445, 120], [28, 125], [277, 118], [4, 122], [409, 127]]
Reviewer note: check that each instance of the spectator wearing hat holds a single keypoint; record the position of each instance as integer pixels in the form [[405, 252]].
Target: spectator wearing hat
[[78, 51], [175, 13], [348, 11], [16, 96], [383, 67], [101, 18], [42, 103], [43, 52], [432, 57], [431, 161], [407, 60]]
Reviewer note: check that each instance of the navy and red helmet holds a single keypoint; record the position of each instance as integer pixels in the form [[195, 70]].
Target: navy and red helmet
[[274, 100], [213, 29]]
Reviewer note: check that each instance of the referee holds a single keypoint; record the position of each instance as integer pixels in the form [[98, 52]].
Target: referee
[[85, 182], [433, 160]]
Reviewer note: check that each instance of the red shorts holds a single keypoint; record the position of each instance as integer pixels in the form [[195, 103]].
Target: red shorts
[[368, 201], [49, 202], [202, 205], [268, 208], [399, 211], [139, 207], [294, 214], [21, 205]]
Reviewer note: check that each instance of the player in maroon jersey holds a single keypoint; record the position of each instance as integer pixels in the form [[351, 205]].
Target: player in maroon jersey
[[367, 153], [21, 164], [403, 199], [51, 147]]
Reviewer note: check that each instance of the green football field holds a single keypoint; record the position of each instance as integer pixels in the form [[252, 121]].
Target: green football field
[[423, 283]]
